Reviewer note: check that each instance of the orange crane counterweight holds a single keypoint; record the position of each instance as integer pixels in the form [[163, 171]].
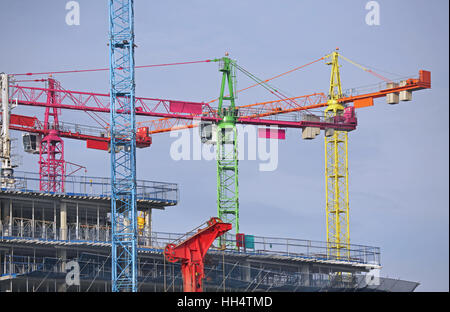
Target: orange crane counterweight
[[192, 250]]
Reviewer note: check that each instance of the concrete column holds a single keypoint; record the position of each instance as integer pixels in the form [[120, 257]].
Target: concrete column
[[55, 234], [126, 221], [77, 225], [10, 216], [44, 224], [148, 227], [11, 266], [306, 274], [62, 287], [62, 255], [98, 222], [4, 218], [246, 272], [1, 218], [21, 220], [63, 221], [32, 219]]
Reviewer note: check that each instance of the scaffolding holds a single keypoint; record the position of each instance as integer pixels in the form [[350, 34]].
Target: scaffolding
[[222, 274], [41, 233]]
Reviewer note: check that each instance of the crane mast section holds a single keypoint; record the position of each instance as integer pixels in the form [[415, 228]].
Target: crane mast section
[[226, 153], [123, 146], [336, 172]]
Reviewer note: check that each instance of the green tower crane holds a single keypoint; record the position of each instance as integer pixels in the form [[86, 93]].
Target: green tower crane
[[227, 152]]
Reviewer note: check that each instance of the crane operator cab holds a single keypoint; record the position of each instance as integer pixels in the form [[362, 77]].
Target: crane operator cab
[[31, 142]]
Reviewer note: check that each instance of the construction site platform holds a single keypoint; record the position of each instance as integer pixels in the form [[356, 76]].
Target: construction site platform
[[150, 194]]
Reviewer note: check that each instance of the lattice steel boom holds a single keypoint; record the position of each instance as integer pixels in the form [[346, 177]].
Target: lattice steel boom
[[123, 146], [51, 152], [227, 158], [336, 172]]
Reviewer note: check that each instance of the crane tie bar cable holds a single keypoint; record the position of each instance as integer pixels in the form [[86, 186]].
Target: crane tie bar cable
[[365, 69], [258, 83], [105, 69], [274, 77]]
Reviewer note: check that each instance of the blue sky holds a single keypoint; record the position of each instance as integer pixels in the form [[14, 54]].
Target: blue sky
[[398, 155]]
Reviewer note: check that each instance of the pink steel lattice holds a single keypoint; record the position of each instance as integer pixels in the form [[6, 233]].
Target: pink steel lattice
[[51, 153]]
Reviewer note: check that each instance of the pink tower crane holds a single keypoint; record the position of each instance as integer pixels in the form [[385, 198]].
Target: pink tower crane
[[51, 152]]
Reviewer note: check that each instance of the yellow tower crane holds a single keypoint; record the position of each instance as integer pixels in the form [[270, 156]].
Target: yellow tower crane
[[336, 147], [336, 171]]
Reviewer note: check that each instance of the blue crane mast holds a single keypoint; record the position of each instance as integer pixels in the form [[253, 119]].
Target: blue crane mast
[[123, 146]]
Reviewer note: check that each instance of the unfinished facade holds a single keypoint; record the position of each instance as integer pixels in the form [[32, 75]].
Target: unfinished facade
[[61, 242]]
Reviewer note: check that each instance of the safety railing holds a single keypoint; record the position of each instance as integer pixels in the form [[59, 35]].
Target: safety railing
[[269, 246], [289, 247], [375, 87], [99, 187], [82, 129]]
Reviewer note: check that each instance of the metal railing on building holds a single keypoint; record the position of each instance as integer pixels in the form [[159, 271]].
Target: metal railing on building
[[275, 246], [98, 187]]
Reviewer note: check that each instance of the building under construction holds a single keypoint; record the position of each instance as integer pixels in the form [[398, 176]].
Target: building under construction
[[61, 232], [56, 227], [45, 236]]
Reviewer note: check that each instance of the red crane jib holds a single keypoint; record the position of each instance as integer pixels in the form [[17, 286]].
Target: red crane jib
[[93, 140], [191, 253], [161, 108]]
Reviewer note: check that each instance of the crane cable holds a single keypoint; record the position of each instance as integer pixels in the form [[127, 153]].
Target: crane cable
[[365, 69], [274, 77], [105, 69], [265, 85], [249, 87]]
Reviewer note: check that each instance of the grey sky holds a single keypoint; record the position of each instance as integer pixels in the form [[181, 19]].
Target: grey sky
[[398, 155]]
